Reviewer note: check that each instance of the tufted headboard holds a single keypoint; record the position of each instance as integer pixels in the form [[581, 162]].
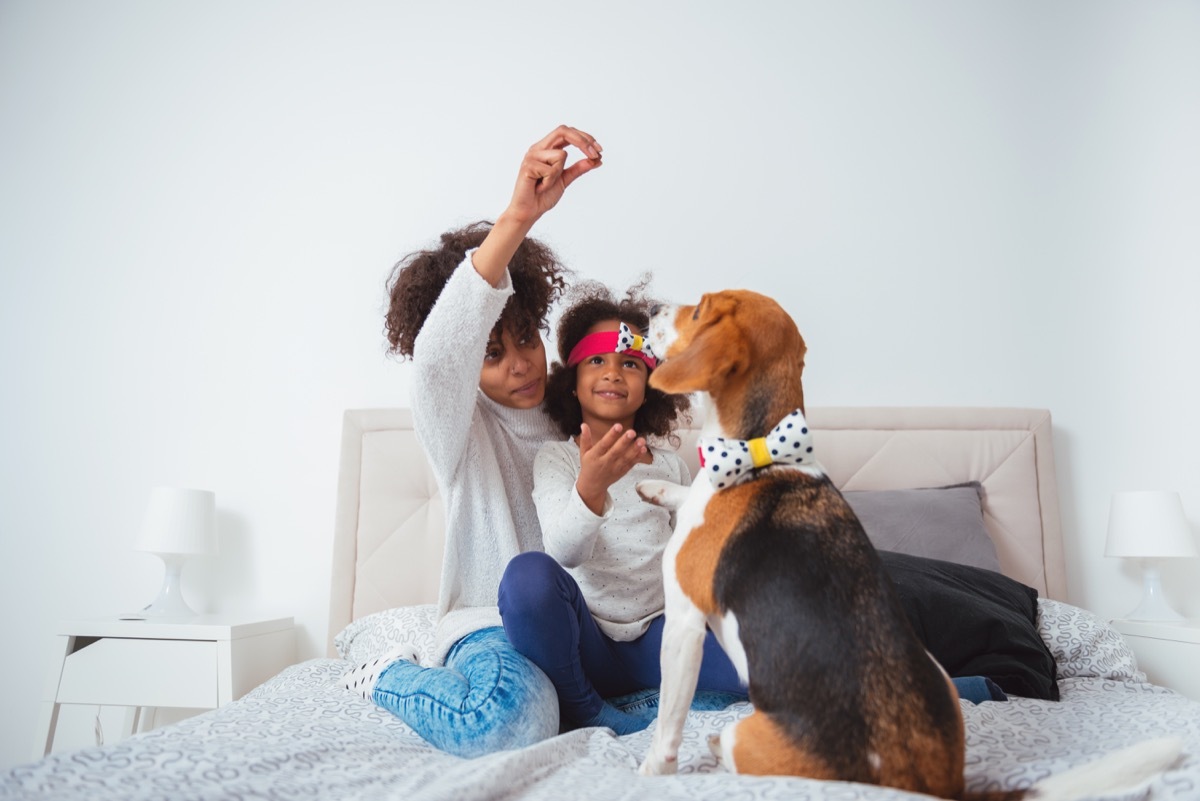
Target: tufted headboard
[[389, 527]]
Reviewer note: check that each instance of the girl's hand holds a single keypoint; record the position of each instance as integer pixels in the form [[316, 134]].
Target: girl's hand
[[544, 174], [604, 462]]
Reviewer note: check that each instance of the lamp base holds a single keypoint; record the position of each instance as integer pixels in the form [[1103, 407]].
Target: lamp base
[[1154, 605], [170, 602]]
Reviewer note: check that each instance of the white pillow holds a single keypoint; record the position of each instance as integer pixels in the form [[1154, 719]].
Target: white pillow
[[375, 635], [1083, 645]]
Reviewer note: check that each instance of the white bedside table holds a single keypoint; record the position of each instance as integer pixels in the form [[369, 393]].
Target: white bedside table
[[200, 663], [1169, 653]]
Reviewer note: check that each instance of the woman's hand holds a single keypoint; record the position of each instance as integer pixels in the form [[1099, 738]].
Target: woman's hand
[[603, 463], [543, 177], [544, 174]]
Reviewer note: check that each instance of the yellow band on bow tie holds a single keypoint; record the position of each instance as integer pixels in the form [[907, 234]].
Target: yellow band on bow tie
[[637, 341], [729, 461], [759, 453]]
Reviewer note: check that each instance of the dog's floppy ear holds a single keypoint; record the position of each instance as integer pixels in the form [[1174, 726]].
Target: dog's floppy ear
[[699, 362]]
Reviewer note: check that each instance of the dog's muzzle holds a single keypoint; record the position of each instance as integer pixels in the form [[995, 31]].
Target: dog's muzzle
[[662, 329]]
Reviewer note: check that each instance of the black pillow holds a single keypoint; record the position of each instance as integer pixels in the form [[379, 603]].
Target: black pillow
[[975, 623]]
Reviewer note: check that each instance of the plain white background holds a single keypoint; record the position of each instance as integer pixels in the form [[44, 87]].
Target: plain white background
[[986, 203]]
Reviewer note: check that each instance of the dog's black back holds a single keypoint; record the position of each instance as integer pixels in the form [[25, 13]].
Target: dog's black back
[[831, 655]]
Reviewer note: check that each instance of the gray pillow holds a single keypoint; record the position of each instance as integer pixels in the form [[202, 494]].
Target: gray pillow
[[939, 523]]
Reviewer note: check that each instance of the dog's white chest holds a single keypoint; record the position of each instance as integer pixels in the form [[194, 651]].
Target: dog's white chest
[[688, 518]]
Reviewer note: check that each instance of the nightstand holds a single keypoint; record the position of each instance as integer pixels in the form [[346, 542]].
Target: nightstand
[[1169, 653], [199, 663]]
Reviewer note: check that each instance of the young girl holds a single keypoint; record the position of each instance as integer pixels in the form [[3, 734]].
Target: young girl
[[468, 314], [595, 627]]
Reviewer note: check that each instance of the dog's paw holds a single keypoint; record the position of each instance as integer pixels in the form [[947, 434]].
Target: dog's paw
[[661, 493], [654, 766], [652, 491], [714, 745]]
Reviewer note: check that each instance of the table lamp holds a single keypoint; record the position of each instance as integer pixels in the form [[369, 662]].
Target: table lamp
[[1149, 526], [179, 523]]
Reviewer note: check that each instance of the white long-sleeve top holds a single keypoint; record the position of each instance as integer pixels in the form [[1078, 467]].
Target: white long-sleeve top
[[616, 557], [480, 452]]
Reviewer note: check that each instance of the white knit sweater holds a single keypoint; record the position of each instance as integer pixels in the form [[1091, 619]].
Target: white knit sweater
[[616, 557], [481, 454]]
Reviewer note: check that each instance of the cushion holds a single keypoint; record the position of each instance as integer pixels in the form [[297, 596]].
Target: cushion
[[975, 622], [941, 523], [410, 628], [1083, 645]]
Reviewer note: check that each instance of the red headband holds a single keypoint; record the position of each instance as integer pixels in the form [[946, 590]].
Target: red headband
[[622, 341]]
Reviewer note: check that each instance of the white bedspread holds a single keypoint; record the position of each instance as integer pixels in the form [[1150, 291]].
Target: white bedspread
[[301, 735]]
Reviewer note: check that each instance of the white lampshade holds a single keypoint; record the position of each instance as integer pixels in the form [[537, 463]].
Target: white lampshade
[[1149, 524], [178, 524], [180, 521]]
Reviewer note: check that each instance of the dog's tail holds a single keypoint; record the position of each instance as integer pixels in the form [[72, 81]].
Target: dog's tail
[[1113, 773], [1118, 771]]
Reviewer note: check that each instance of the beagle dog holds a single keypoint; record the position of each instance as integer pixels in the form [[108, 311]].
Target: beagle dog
[[767, 553]]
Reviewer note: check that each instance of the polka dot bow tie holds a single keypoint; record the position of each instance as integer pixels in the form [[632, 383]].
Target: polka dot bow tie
[[627, 340], [730, 461]]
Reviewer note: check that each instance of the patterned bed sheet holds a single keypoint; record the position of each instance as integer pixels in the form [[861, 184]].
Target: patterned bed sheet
[[300, 735]]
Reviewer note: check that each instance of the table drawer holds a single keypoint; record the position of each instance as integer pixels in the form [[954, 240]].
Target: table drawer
[[1169, 663], [131, 672]]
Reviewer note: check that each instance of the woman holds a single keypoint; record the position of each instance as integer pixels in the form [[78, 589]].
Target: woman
[[469, 315]]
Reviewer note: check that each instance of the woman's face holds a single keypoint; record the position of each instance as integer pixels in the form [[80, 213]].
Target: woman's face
[[611, 387], [514, 370]]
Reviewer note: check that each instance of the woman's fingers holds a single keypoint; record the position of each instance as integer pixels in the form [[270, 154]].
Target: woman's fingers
[[579, 168], [551, 150], [544, 174], [545, 165], [566, 135]]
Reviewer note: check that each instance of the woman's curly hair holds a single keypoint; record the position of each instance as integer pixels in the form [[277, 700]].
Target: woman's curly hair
[[418, 279], [590, 303]]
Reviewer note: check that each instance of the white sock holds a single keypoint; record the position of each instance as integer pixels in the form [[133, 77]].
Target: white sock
[[361, 680]]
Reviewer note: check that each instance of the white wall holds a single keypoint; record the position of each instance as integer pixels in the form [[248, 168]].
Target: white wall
[[961, 203]]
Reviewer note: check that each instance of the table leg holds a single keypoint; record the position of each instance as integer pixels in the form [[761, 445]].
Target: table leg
[[132, 718], [48, 718]]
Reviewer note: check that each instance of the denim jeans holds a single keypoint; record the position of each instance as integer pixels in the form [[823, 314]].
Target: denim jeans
[[978, 689], [546, 617], [486, 698]]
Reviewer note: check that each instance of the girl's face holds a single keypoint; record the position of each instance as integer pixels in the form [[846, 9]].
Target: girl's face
[[611, 387], [514, 370]]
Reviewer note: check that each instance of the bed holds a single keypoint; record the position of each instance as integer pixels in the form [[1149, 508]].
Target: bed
[[301, 734]]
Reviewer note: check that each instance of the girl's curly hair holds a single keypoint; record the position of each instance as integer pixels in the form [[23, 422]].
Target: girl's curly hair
[[418, 279], [590, 303]]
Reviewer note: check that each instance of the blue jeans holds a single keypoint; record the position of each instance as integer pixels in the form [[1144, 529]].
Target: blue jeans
[[487, 697], [978, 689], [546, 618]]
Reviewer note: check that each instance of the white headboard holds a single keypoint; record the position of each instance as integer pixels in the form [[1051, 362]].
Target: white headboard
[[390, 524]]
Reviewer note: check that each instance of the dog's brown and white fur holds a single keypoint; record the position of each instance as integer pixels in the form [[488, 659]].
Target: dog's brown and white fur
[[780, 569]]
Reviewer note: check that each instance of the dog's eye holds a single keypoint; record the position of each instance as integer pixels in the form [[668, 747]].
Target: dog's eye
[[696, 314]]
